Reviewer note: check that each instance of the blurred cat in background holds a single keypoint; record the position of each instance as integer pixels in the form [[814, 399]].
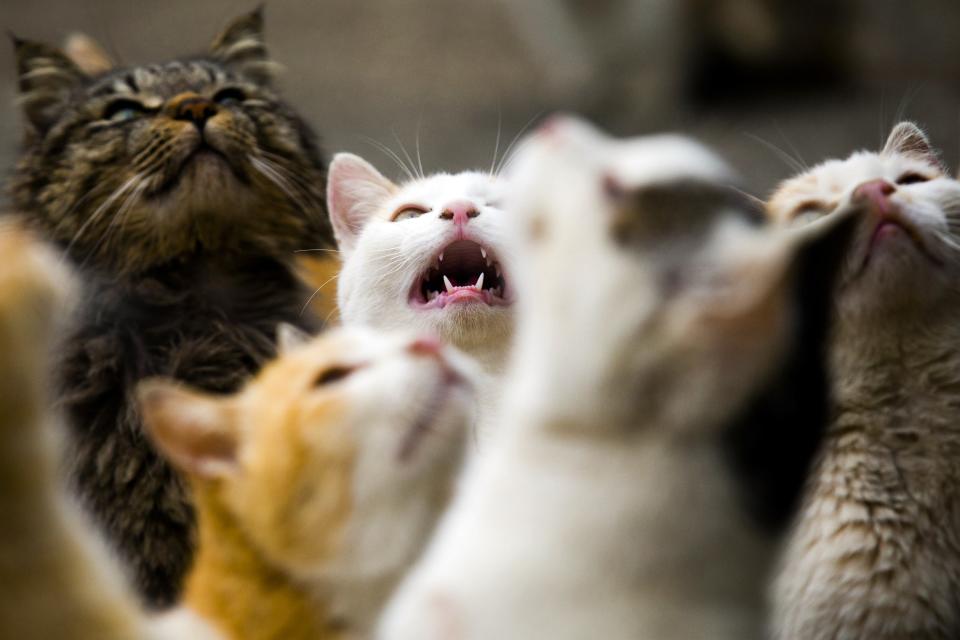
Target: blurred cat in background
[[666, 394], [876, 551], [431, 255], [180, 192], [316, 485]]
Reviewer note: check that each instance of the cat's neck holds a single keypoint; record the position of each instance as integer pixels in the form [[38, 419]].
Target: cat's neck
[[239, 591]]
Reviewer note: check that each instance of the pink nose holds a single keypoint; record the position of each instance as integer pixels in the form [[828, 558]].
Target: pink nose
[[426, 346], [875, 191], [460, 211]]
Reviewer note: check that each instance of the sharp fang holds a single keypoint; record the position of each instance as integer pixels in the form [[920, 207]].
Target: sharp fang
[[497, 268], [446, 283], [483, 252], [479, 285], [441, 256]]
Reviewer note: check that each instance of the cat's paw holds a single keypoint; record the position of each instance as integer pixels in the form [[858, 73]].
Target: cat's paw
[[35, 289]]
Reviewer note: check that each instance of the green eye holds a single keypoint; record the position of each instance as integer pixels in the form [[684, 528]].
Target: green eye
[[122, 110], [408, 212]]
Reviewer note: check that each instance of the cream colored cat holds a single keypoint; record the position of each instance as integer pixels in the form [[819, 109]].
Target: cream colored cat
[[430, 255], [316, 485], [648, 453], [876, 551]]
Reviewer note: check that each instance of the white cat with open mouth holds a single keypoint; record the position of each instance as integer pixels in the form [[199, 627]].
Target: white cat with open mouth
[[430, 255]]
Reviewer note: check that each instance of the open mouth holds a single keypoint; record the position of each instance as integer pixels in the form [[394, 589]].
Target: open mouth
[[463, 272]]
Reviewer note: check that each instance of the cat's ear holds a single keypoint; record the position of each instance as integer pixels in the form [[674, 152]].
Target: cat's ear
[[355, 191], [47, 79], [87, 54], [193, 430], [908, 139], [241, 45], [290, 338]]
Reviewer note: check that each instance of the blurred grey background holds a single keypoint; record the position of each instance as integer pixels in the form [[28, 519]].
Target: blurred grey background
[[757, 79]]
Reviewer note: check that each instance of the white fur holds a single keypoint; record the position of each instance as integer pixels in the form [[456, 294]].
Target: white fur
[[382, 259], [603, 508]]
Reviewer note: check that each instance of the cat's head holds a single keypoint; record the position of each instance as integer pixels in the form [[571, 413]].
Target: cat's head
[[134, 166], [905, 256], [652, 292], [430, 254], [336, 459]]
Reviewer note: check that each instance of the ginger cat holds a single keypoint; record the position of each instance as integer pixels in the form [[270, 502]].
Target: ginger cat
[[316, 485]]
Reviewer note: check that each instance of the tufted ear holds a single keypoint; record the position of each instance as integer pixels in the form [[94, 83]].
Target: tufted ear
[[241, 45], [193, 430], [355, 191], [87, 54], [908, 139], [290, 338], [47, 80]]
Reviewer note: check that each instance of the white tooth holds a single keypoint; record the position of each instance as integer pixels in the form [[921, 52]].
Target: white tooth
[[441, 256], [483, 252], [497, 268], [479, 285], [446, 283]]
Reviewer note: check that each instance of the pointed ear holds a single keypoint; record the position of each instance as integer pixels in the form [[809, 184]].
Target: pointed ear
[[290, 338], [47, 79], [87, 54], [241, 45], [355, 191], [193, 430], [908, 139]]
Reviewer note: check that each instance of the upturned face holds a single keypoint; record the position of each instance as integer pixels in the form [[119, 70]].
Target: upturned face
[[342, 452], [651, 293], [905, 251], [140, 164], [432, 254]]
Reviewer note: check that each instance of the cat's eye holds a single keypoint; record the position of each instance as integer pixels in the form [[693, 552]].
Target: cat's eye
[[231, 96], [332, 374], [912, 177], [122, 110], [808, 210], [407, 212]]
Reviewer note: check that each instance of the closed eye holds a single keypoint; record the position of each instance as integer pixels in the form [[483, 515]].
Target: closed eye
[[229, 96], [912, 177], [407, 212], [123, 109], [332, 374], [810, 207]]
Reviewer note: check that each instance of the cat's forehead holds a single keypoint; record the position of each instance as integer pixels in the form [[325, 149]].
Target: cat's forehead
[[833, 178], [440, 188], [164, 80]]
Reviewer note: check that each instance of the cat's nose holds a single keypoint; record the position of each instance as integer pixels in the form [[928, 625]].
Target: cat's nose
[[193, 108], [874, 191], [460, 211]]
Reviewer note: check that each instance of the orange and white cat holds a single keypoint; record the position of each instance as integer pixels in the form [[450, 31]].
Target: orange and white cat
[[316, 485], [876, 550]]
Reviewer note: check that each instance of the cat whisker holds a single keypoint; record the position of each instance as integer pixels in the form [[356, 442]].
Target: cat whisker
[[314, 294], [403, 149], [507, 154], [392, 155], [99, 212], [795, 165], [312, 250]]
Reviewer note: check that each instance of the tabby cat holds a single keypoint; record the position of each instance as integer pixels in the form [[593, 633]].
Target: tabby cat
[[180, 192]]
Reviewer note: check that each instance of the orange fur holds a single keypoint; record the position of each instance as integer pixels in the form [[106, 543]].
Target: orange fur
[[321, 273]]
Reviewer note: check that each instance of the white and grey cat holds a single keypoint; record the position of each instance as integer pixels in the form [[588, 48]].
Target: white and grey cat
[[431, 255], [647, 454], [876, 551]]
